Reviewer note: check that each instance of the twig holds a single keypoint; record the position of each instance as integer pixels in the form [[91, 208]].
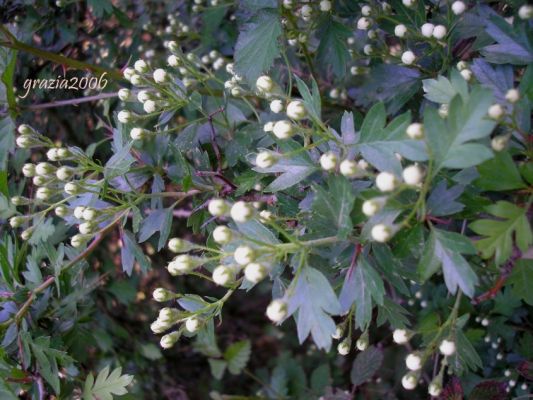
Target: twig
[[214, 139], [61, 103], [51, 279]]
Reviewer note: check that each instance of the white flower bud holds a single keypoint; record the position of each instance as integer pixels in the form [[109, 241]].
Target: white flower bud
[[368, 49], [499, 143], [334, 93], [447, 347], [24, 129], [160, 75], [363, 23], [277, 311], [338, 333], [28, 170], [24, 142], [296, 110], [52, 154], [325, 5], [124, 116], [78, 212], [496, 112], [27, 233], [283, 129], [413, 362], [169, 340], [177, 245], [413, 175], [512, 95], [241, 212], [349, 168], [79, 240], [173, 61], [255, 272], [143, 95], [218, 207], [371, 207], [43, 193], [72, 188], [276, 106], [265, 216], [409, 381], [63, 153], [427, 29], [182, 264], [400, 30], [138, 133], [218, 63], [223, 275], [265, 159], [386, 182], [40, 180], [64, 173], [526, 11], [328, 161], [466, 74], [400, 336], [343, 347], [264, 84], [435, 388], [45, 169], [87, 228], [366, 10], [306, 11], [140, 66], [268, 127], [458, 7], [415, 130], [161, 295], [408, 57], [159, 326], [89, 214], [288, 4], [222, 234], [362, 343], [124, 94], [16, 221], [192, 324], [236, 91], [128, 73], [136, 80], [408, 3], [61, 211], [244, 255], [381, 233], [439, 32], [150, 106]]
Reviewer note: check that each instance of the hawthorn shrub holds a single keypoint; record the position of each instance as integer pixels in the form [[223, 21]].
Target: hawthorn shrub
[[314, 199]]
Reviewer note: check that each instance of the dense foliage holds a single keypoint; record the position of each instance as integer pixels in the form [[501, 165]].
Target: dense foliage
[[266, 200]]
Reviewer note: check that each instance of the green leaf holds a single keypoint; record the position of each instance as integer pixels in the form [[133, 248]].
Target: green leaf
[[439, 90], [237, 356], [362, 284], [218, 367], [444, 249], [466, 357], [257, 46], [520, 279], [365, 365], [106, 385], [379, 142], [119, 163], [46, 358], [7, 140], [452, 139], [332, 50], [330, 212], [499, 174], [42, 232], [392, 312], [312, 100], [314, 312], [498, 234]]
